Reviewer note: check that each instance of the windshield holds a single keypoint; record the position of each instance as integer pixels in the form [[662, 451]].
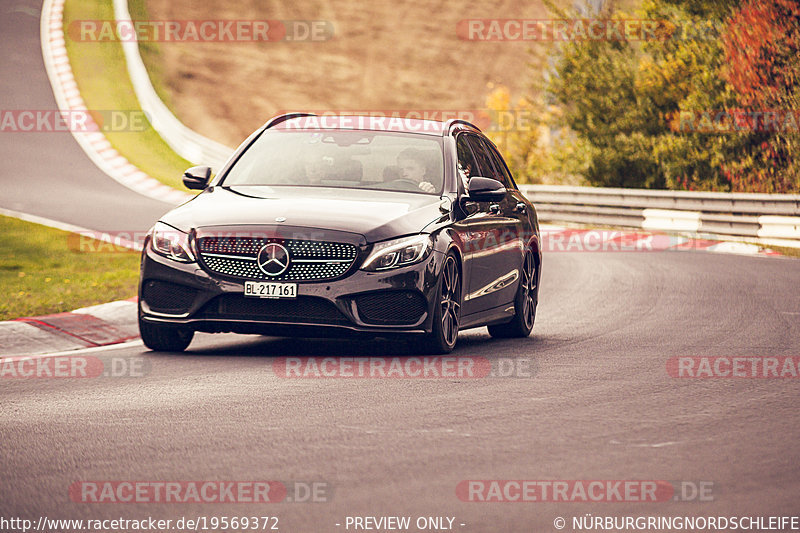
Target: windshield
[[348, 159]]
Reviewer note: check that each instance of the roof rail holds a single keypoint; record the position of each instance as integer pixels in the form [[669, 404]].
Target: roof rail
[[454, 122], [274, 121]]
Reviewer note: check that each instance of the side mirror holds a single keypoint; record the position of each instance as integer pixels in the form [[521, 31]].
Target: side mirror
[[197, 177], [485, 190]]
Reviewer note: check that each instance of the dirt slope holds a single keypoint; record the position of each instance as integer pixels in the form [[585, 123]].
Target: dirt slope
[[395, 55]]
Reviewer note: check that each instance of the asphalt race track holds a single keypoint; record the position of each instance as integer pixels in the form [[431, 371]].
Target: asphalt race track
[[46, 173], [597, 404]]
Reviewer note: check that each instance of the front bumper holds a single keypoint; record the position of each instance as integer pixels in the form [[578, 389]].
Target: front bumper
[[349, 305]]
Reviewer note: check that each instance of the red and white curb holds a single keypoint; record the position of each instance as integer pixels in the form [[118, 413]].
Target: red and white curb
[[90, 327], [69, 100]]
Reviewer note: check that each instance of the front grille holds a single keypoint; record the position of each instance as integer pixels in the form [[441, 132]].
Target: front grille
[[302, 310], [391, 307], [308, 260], [165, 297]]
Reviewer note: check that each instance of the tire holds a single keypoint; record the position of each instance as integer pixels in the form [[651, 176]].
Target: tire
[[164, 338], [447, 311], [524, 304]]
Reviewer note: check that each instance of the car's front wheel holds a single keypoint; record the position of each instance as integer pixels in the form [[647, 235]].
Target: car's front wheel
[[524, 303], [164, 338], [447, 311]]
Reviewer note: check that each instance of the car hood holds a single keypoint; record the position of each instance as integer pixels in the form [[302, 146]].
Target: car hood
[[376, 215]]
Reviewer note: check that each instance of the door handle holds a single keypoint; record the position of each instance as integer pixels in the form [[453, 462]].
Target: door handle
[[494, 209], [520, 207]]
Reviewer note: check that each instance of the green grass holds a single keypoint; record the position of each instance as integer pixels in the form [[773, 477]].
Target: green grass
[[102, 77], [785, 250], [42, 272], [151, 55]]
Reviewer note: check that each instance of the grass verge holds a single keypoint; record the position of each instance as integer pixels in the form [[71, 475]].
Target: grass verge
[[151, 55], [41, 274], [102, 77], [785, 250]]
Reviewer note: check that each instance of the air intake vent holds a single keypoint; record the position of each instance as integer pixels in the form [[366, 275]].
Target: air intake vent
[[169, 298], [394, 308]]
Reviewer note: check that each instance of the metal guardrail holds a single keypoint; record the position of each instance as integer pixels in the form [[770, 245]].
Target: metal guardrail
[[770, 218], [187, 143]]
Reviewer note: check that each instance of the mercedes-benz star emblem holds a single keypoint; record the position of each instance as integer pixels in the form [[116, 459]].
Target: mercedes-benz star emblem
[[273, 259]]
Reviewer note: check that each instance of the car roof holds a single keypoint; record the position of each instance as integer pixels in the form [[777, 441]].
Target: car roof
[[308, 121]]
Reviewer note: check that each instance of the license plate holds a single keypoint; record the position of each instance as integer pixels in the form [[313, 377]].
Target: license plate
[[260, 289]]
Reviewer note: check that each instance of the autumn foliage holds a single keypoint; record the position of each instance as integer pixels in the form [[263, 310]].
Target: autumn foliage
[[762, 46], [627, 105], [762, 51]]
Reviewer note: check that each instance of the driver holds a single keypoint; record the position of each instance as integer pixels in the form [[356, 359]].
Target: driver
[[411, 163]]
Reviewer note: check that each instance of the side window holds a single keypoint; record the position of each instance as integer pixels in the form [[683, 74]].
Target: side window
[[505, 175], [485, 165], [466, 161]]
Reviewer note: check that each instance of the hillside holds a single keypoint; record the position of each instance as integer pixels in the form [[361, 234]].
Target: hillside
[[383, 56]]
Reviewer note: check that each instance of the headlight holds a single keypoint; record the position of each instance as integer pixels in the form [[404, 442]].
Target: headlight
[[172, 243], [398, 253]]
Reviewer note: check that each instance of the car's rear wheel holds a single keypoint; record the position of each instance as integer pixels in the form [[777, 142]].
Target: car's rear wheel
[[524, 304], [164, 338], [447, 311]]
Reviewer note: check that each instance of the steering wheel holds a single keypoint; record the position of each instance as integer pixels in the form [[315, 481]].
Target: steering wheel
[[404, 184]]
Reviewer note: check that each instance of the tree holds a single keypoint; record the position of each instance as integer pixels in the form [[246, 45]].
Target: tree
[[762, 48], [635, 106]]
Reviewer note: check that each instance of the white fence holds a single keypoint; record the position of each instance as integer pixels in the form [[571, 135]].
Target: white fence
[[185, 142]]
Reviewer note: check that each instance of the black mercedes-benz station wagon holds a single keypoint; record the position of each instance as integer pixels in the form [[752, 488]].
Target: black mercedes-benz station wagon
[[319, 226]]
